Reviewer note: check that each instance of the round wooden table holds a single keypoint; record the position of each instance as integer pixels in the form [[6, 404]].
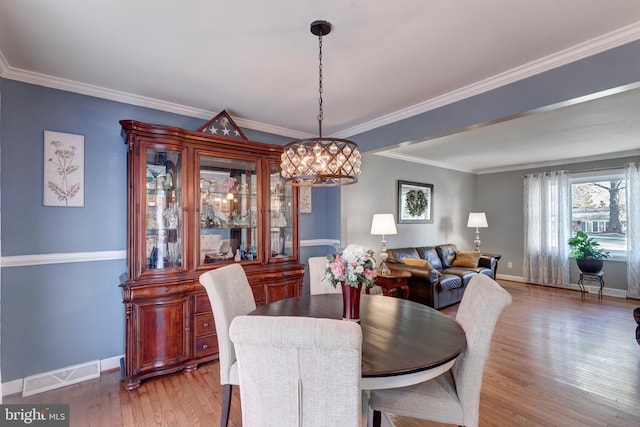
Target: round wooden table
[[403, 342]]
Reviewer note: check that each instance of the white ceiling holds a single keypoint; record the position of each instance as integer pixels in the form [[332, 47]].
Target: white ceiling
[[383, 61]]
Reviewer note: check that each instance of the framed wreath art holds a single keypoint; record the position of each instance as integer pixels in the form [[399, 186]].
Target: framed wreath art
[[415, 203]]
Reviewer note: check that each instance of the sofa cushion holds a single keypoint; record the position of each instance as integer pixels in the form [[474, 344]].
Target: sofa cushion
[[467, 259], [398, 254], [429, 253], [449, 281], [447, 254], [464, 273]]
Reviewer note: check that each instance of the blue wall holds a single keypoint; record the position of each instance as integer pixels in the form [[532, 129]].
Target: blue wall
[[57, 315]]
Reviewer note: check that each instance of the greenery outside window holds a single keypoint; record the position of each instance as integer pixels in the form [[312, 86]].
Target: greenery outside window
[[598, 207]]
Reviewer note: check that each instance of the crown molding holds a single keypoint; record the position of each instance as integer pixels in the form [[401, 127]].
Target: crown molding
[[8, 72], [575, 53], [423, 161], [607, 156], [600, 44], [510, 168]]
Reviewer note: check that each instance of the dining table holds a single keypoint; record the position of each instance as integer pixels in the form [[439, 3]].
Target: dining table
[[403, 342]]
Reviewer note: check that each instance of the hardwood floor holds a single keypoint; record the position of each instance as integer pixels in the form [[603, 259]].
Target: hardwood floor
[[557, 359]]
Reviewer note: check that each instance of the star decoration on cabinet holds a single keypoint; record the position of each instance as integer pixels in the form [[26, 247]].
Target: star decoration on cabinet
[[223, 125]]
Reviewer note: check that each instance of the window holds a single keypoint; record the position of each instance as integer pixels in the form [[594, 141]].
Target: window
[[598, 207]]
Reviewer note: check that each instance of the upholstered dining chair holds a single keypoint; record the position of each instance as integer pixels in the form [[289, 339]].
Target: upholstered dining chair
[[453, 397], [298, 371], [230, 296], [317, 267]]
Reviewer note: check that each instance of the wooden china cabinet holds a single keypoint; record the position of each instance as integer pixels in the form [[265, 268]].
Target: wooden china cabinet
[[196, 201]]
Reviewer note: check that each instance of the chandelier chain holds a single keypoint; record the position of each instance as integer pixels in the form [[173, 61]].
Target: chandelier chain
[[320, 111]]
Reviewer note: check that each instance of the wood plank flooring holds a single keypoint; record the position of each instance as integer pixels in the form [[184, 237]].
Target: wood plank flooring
[[557, 359]]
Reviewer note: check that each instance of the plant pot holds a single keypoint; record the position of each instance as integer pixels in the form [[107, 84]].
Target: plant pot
[[590, 265]]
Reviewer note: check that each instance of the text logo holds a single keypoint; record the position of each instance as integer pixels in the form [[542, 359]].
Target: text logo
[[34, 415]]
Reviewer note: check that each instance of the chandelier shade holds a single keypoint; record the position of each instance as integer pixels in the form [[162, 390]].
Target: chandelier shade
[[320, 162]]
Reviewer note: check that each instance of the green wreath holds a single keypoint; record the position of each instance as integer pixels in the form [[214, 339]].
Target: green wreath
[[416, 202]]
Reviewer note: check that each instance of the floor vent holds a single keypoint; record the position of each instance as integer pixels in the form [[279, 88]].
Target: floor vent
[[60, 378]]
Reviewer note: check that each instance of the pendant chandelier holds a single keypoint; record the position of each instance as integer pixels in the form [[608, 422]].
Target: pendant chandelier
[[319, 162]]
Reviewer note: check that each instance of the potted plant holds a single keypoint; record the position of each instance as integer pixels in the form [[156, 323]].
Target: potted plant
[[587, 252]]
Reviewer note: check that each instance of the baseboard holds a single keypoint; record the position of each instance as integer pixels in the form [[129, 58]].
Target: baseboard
[[610, 292], [12, 387], [45, 381], [510, 278]]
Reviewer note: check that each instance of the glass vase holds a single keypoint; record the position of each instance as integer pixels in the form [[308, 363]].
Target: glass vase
[[351, 302]]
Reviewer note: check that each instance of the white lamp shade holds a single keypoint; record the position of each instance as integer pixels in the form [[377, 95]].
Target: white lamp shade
[[383, 224], [477, 219]]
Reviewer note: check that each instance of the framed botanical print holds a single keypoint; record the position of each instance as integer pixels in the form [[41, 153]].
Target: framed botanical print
[[415, 203], [63, 169]]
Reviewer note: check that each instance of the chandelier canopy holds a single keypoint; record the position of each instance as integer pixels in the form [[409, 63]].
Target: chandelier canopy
[[320, 161]]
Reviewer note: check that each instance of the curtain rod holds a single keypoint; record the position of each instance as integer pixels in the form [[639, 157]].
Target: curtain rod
[[610, 168]]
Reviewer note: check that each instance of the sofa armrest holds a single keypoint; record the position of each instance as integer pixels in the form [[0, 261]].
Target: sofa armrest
[[427, 275], [488, 262]]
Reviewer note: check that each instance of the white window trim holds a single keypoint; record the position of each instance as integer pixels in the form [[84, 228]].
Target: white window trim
[[601, 175]]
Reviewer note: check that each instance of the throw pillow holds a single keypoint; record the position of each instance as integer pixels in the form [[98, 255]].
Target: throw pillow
[[417, 262], [468, 259]]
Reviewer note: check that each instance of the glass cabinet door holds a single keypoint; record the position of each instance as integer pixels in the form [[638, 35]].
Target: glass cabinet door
[[228, 210], [163, 203], [280, 214]]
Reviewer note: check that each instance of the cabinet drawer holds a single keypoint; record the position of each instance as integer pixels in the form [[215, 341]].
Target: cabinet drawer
[[202, 304], [206, 345], [204, 324], [278, 291]]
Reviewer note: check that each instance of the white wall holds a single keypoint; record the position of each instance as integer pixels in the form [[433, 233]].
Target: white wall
[[500, 196], [376, 192]]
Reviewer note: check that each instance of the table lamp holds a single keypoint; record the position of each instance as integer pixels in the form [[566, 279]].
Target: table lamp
[[381, 225], [477, 220]]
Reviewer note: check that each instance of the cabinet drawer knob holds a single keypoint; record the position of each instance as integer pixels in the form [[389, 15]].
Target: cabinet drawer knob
[[205, 346], [205, 325]]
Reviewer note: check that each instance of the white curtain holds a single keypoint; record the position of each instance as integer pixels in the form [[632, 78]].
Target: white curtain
[[547, 227], [632, 173]]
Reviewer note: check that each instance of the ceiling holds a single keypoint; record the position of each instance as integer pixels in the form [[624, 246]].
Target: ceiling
[[383, 61]]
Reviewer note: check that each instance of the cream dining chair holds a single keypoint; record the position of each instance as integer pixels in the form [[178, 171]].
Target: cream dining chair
[[453, 397], [317, 267], [298, 371], [230, 296]]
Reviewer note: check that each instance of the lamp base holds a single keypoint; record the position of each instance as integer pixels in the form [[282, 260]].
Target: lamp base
[[477, 240]]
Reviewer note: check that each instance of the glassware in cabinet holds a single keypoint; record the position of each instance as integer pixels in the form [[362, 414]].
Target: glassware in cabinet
[[164, 234], [228, 197], [281, 205]]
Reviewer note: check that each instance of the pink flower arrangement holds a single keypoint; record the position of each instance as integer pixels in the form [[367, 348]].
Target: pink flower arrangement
[[354, 266]]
